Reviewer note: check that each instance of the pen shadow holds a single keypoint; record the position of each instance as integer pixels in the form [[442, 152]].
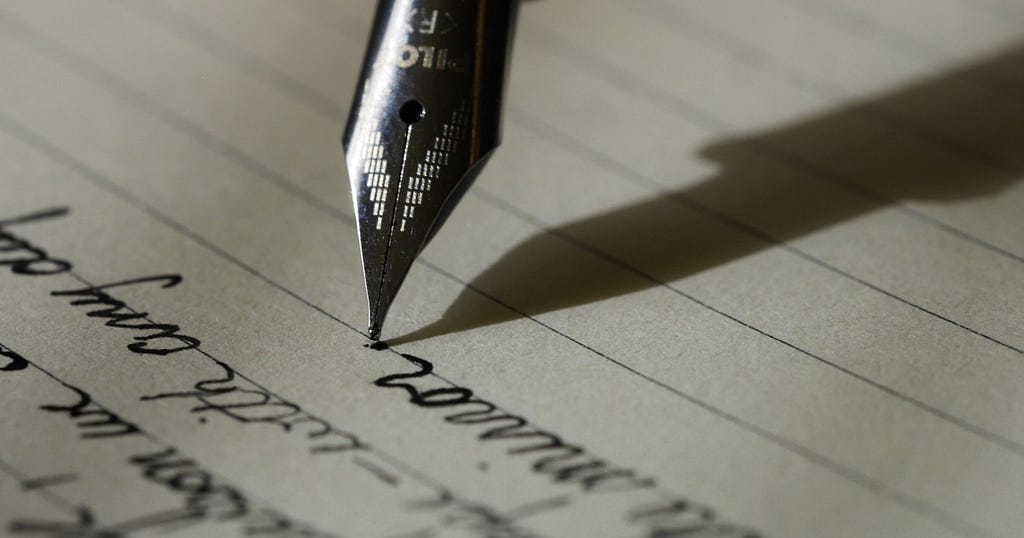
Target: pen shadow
[[680, 233]]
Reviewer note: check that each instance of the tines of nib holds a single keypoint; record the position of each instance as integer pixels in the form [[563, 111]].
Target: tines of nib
[[424, 121]]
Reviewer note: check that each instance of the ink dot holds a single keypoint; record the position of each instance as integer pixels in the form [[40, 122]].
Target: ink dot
[[483, 466], [202, 420], [412, 112]]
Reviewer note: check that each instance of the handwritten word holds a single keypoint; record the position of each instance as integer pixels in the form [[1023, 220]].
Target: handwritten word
[[159, 338], [204, 496], [254, 405], [23, 257], [563, 462], [206, 499], [96, 421], [248, 405], [553, 457]]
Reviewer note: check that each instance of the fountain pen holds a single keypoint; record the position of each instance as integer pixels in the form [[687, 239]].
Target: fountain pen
[[424, 121]]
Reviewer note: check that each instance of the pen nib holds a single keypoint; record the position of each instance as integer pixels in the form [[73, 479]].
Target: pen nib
[[424, 121]]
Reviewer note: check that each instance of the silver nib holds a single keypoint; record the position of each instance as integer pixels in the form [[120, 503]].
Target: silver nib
[[424, 121]]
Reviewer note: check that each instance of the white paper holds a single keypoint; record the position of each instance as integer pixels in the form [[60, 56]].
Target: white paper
[[738, 269]]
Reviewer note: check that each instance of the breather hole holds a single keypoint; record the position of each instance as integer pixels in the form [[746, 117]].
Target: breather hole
[[411, 112]]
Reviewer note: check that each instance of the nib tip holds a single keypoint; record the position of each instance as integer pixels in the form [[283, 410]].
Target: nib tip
[[374, 332]]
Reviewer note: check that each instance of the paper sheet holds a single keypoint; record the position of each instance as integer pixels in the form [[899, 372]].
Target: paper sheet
[[739, 269]]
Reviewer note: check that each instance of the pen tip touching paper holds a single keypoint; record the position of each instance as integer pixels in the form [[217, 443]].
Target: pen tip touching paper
[[424, 121]]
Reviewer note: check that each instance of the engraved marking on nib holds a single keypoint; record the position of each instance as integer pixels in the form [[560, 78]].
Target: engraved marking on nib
[[420, 183], [377, 179]]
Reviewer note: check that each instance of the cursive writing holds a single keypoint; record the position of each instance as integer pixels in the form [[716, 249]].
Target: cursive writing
[[243, 401], [156, 338], [551, 456]]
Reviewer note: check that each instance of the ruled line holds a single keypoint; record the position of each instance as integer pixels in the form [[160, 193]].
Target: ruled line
[[700, 117], [208, 141], [552, 134], [574, 146], [142, 431], [863, 25], [992, 437], [821, 88], [58, 155], [44, 146], [921, 507], [54, 499], [907, 501], [260, 68], [615, 76]]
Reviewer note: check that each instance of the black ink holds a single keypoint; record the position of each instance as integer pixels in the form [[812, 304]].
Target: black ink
[[225, 396], [48, 481], [678, 517], [379, 345], [537, 507], [204, 497], [271, 523], [553, 457], [84, 526], [561, 461], [118, 315], [22, 256], [376, 471], [98, 422], [476, 517], [15, 362]]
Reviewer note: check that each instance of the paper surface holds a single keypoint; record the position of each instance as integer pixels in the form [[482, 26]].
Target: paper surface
[[739, 269]]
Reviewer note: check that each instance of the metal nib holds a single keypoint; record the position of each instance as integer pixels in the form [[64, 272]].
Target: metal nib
[[424, 121]]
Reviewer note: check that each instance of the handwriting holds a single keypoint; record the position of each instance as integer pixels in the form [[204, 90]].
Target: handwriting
[[230, 395], [480, 519], [14, 361], [553, 457], [253, 404], [48, 481], [164, 335], [83, 526], [205, 497], [561, 461], [248, 405], [98, 422], [25, 258]]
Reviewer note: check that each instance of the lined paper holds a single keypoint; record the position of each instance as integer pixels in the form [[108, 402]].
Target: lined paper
[[737, 270]]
